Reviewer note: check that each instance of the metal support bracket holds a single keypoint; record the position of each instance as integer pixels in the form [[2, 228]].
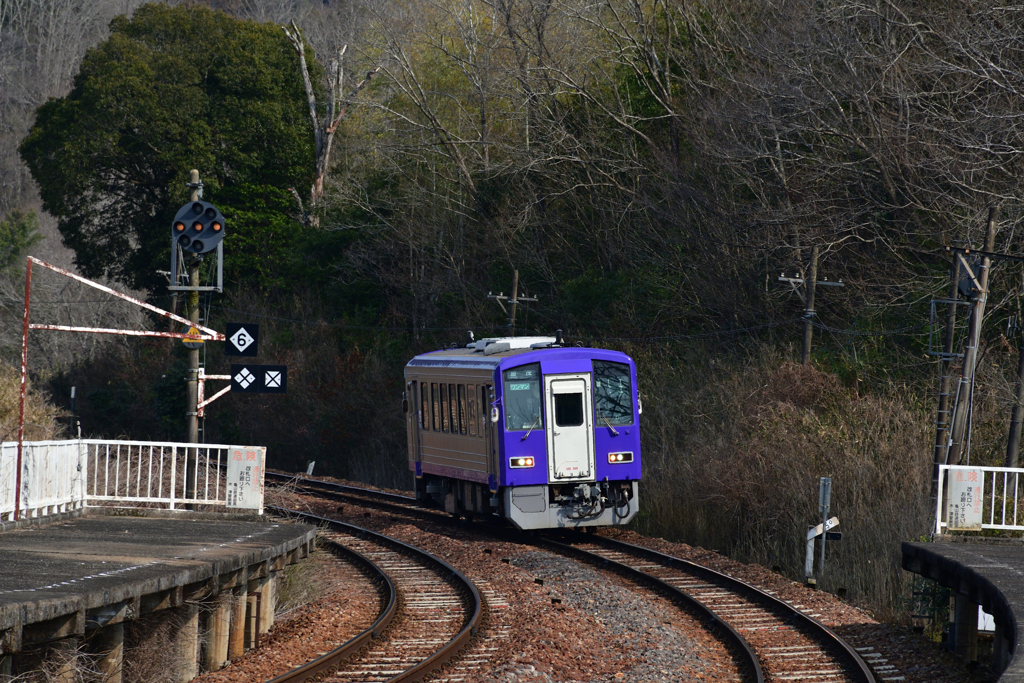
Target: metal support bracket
[[203, 401]]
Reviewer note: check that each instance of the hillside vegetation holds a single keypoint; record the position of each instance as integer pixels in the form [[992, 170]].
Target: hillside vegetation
[[649, 167]]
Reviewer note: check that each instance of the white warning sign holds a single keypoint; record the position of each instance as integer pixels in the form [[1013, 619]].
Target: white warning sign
[[966, 493], [245, 477]]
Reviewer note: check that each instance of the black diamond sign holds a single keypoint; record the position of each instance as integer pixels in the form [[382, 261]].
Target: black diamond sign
[[242, 339], [259, 379]]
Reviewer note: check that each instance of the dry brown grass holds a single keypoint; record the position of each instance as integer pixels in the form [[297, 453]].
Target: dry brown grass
[[42, 418], [733, 454]]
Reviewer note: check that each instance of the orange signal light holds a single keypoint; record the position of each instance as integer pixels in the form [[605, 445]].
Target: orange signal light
[[216, 226], [197, 226], [179, 226]]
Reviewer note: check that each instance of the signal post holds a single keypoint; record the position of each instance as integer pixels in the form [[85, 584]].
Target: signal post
[[192, 407], [198, 228]]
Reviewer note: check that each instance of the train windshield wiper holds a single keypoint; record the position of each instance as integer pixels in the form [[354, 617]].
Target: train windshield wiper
[[535, 423], [601, 416]]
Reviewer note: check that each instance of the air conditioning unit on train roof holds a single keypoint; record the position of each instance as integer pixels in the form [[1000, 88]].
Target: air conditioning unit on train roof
[[494, 345]]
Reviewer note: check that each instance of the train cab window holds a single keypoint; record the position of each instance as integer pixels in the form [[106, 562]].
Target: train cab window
[[446, 416], [436, 412], [471, 411], [462, 409], [521, 397], [568, 409], [613, 394], [424, 406]]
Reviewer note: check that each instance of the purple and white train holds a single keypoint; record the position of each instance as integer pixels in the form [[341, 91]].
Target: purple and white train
[[521, 427]]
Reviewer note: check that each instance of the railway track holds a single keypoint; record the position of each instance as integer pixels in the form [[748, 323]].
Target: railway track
[[788, 644], [770, 639], [430, 611], [342, 491]]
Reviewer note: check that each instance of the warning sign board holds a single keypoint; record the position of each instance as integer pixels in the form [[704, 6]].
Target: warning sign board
[[966, 492], [245, 478], [193, 340]]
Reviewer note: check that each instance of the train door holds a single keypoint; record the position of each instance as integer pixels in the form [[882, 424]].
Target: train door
[[570, 427], [416, 415]]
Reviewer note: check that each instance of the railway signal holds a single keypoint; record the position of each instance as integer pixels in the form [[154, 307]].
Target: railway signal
[[198, 227]]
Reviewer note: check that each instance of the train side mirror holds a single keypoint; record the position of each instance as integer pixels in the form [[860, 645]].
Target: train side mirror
[[494, 413], [639, 405], [405, 405]]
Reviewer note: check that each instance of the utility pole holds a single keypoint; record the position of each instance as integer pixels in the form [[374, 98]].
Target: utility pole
[[942, 423], [809, 286], [805, 352], [513, 302], [192, 410], [965, 389], [1013, 441]]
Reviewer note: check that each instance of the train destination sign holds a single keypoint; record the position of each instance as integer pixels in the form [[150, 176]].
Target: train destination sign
[[242, 339]]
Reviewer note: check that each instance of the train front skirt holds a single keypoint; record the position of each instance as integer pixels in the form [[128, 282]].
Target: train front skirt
[[528, 508]]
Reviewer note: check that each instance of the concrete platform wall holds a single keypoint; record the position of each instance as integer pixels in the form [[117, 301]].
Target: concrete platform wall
[[183, 593]]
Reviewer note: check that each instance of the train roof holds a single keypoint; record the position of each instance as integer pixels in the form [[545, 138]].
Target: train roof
[[492, 352]]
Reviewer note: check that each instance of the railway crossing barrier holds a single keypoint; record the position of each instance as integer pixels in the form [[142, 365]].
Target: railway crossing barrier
[[63, 476]]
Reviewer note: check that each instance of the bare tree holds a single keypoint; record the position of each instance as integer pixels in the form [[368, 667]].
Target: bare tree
[[325, 125]]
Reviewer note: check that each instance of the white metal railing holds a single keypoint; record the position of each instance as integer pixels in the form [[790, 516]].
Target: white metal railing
[[974, 498], [51, 478], [64, 475]]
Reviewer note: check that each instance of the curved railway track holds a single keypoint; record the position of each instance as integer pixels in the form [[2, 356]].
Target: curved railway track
[[771, 639], [788, 644], [430, 611]]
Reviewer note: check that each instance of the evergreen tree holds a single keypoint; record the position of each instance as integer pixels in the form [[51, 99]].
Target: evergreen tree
[[175, 88]]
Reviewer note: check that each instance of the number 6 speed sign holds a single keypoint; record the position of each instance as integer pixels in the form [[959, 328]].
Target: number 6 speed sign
[[241, 339]]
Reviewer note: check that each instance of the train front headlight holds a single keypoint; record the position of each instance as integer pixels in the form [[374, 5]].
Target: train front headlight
[[621, 457], [521, 462]]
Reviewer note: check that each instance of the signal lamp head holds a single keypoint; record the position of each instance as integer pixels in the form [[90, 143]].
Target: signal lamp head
[[198, 227]]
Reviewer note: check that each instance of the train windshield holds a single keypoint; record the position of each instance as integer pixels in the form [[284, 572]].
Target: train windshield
[[522, 398], [613, 393]]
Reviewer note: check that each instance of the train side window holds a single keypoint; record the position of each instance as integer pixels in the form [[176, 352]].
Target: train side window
[[613, 394], [453, 404], [471, 410], [424, 406], [436, 412], [487, 407], [462, 409], [521, 396], [446, 416]]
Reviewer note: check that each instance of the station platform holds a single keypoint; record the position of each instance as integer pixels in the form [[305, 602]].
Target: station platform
[[75, 583], [985, 572]]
